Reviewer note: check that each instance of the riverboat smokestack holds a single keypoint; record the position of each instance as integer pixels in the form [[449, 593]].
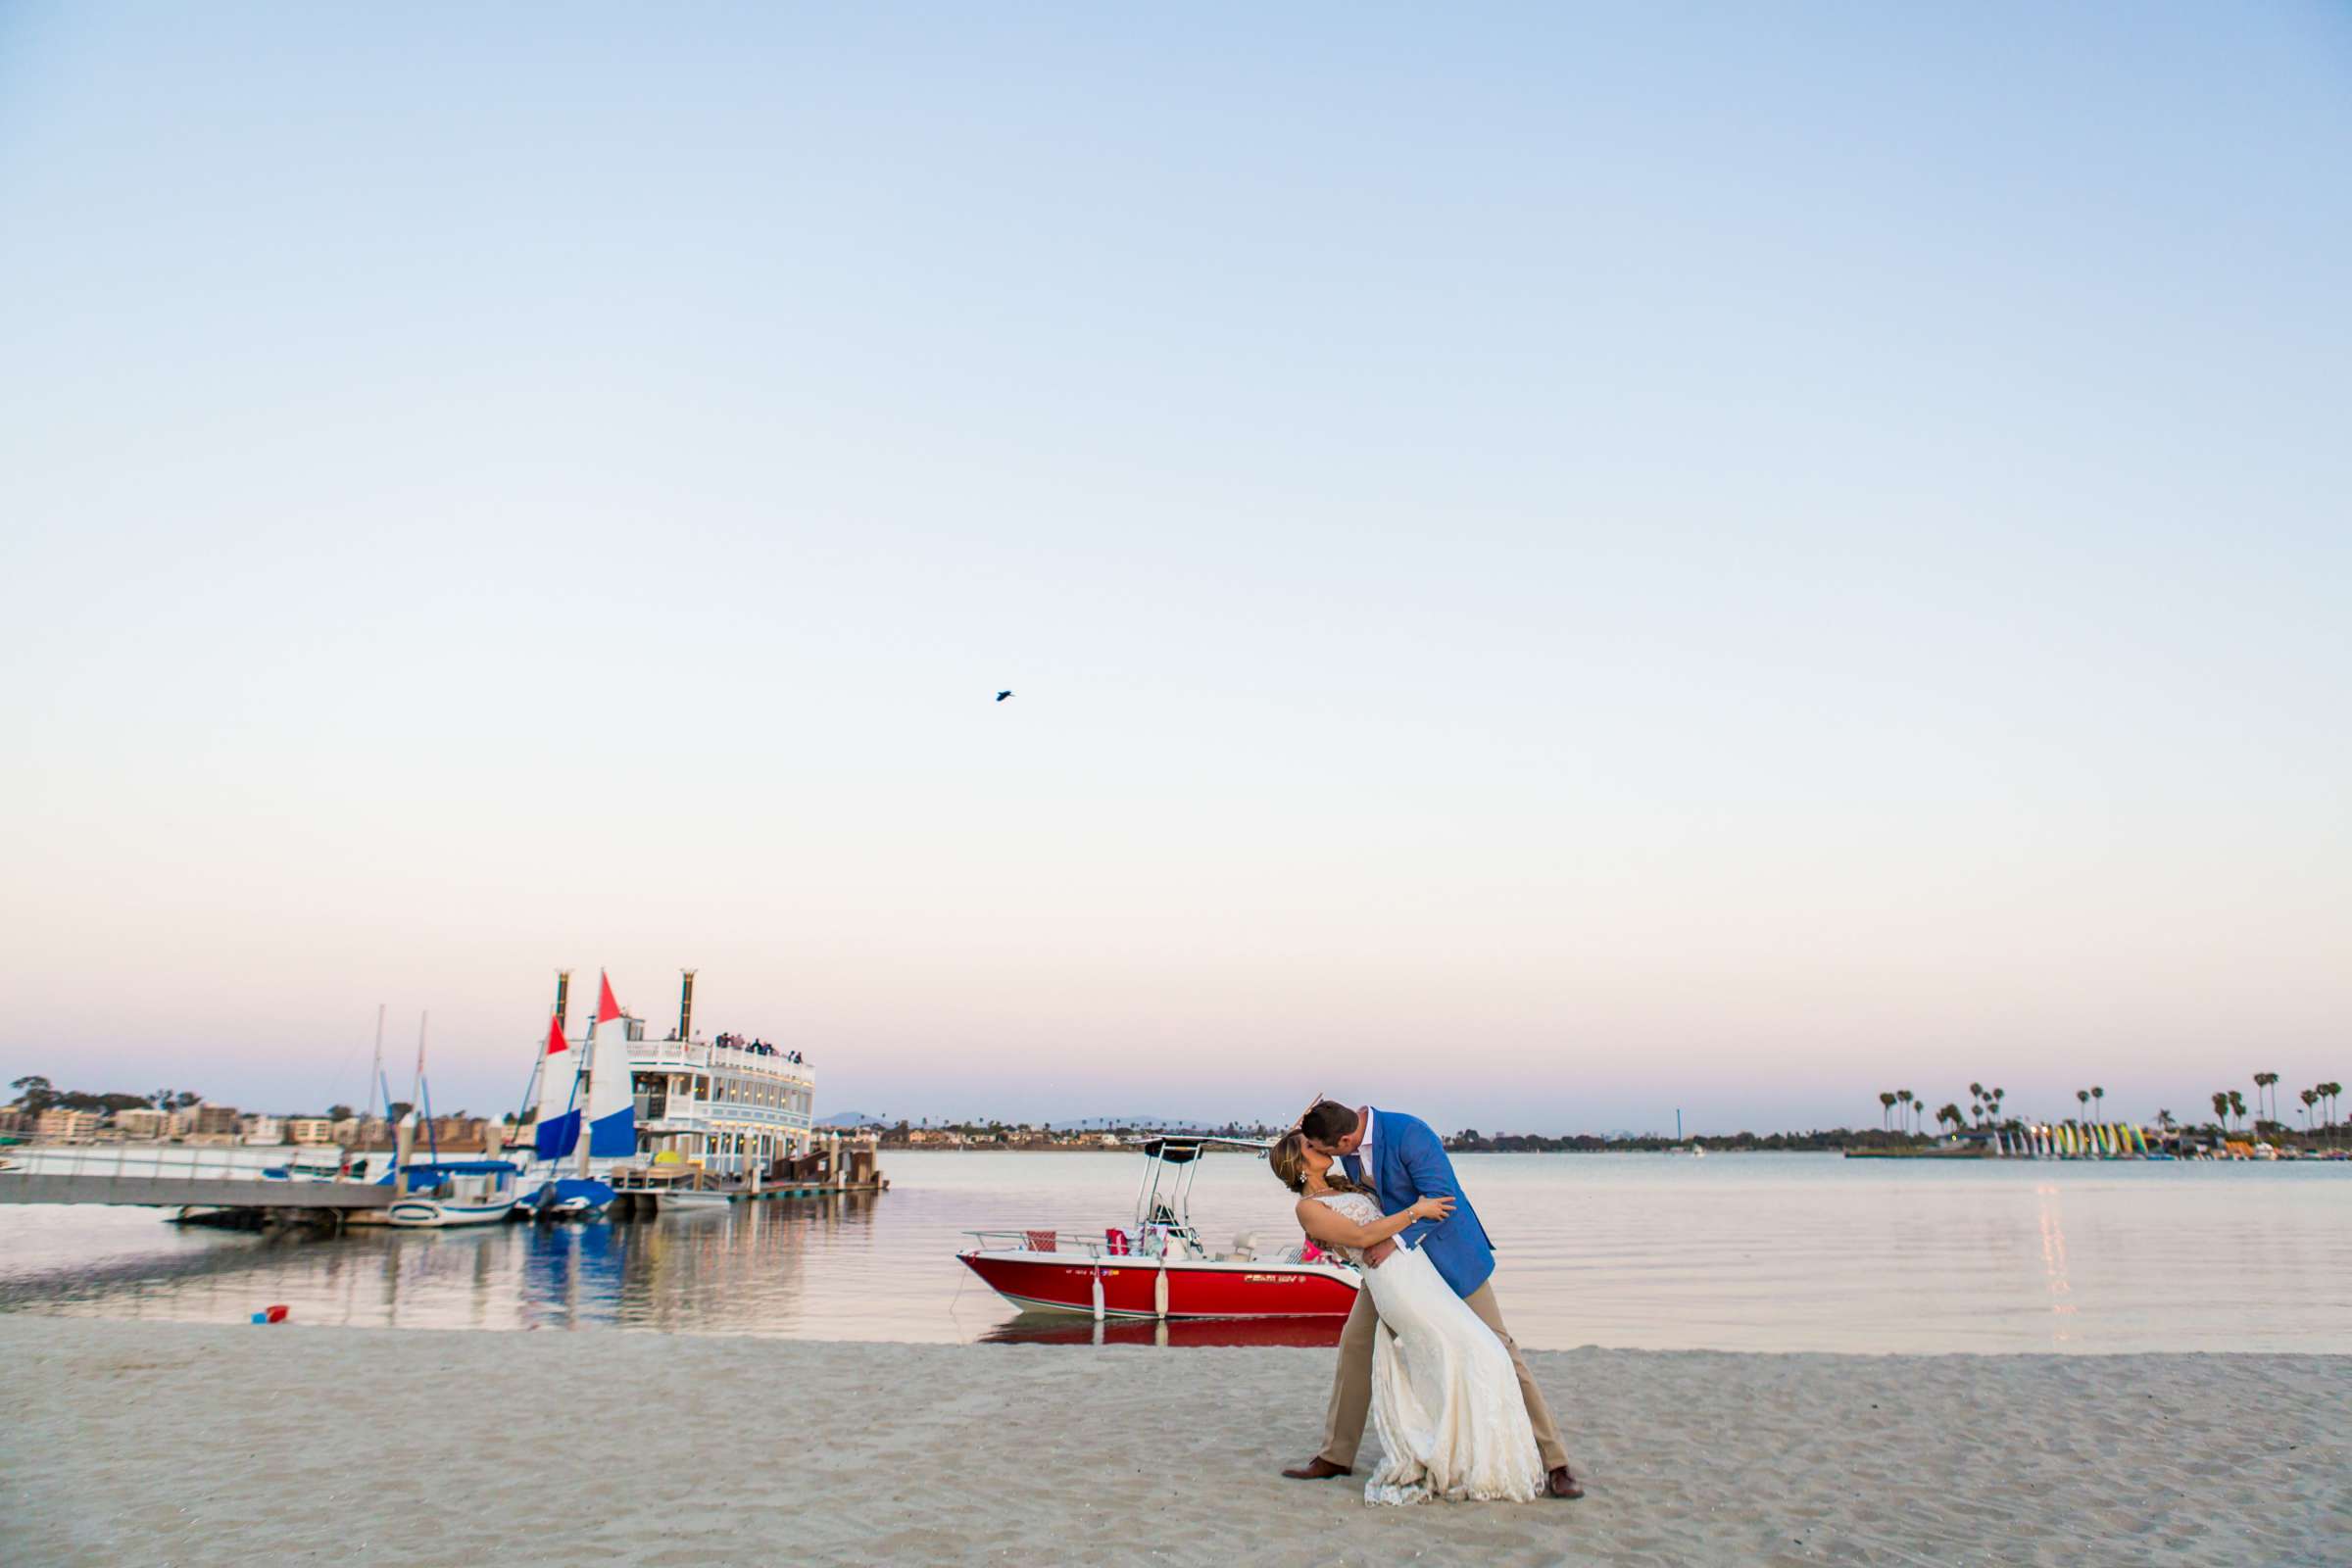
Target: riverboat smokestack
[[563, 998], [686, 1005]]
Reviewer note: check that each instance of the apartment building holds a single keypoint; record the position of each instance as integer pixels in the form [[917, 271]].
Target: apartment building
[[57, 1122]]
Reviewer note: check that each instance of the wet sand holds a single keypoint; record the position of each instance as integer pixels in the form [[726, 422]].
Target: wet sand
[[130, 1442]]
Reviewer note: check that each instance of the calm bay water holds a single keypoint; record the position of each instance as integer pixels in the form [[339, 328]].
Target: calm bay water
[[1737, 1253]]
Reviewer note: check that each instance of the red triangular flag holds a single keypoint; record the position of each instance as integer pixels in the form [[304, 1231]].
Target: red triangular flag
[[606, 1010], [555, 1036]]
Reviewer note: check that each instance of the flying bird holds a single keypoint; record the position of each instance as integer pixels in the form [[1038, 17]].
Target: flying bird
[[1001, 695]]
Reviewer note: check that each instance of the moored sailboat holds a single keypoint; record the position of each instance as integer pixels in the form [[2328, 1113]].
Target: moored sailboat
[[601, 1127]]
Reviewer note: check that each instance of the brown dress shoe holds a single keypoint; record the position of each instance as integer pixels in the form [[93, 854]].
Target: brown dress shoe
[[1560, 1484], [1317, 1469]]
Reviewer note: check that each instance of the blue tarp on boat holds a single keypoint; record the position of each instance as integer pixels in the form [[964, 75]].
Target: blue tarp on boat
[[428, 1172], [570, 1188]]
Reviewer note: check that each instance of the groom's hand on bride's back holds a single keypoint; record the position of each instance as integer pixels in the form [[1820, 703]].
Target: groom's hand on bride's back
[[1436, 1209]]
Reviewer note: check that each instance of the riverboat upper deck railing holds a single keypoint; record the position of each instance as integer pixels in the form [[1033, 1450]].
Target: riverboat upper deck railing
[[651, 1055]]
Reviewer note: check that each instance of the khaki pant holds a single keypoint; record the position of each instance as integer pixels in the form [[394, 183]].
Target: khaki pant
[[1352, 1386]]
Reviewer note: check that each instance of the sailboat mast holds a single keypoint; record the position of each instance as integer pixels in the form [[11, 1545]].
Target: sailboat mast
[[432, 1141], [375, 1069], [581, 1082]]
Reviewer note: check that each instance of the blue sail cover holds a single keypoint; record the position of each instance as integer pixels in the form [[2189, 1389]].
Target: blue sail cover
[[558, 1138], [594, 1194], [615, 1136]]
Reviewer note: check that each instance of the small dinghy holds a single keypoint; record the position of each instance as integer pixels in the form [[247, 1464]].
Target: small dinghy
[[464, 1192]]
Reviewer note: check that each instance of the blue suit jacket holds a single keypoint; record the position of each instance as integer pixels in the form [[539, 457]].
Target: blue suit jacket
[[1412, 1165]]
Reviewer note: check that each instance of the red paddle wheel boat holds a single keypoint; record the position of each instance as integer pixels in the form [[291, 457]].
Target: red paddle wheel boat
[[1160, 1269]]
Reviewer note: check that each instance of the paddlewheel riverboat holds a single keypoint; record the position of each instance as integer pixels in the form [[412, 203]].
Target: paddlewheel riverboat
[[1160, 1268]]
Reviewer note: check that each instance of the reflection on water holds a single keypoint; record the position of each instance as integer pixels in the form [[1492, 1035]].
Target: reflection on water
[[1064, 1328], [1737, 1253], [737, 1270], [2053, 1261]]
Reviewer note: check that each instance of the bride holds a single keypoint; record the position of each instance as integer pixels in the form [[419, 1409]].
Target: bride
[[1446, 1400]]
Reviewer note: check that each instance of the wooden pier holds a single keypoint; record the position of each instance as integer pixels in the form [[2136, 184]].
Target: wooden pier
[[641, 1202]]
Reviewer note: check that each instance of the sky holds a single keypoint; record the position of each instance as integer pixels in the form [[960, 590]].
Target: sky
[[1556, 562]]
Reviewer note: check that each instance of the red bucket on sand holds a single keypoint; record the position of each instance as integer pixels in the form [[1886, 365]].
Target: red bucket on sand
[[271, 1315]]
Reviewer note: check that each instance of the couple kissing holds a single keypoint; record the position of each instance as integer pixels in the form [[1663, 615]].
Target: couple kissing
[[1424, 1351]]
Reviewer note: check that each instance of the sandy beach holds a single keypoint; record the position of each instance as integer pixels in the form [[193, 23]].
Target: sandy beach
[[156, 1443]]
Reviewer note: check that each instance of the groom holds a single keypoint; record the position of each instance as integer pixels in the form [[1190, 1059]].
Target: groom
[[1401, 1160]]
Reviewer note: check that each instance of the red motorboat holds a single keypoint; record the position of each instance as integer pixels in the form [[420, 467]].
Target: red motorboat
[[1161, 1269]]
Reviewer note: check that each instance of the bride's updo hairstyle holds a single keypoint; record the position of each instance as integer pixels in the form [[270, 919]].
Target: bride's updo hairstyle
[[1287, 1160]]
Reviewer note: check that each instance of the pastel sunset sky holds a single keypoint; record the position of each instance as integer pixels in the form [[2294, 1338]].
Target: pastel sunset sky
[[1556, 562]]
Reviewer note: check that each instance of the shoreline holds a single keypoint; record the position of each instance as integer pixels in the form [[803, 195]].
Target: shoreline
[[199, 1444]]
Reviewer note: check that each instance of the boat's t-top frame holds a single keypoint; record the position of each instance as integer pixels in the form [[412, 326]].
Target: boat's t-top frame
[[1163, 1204]]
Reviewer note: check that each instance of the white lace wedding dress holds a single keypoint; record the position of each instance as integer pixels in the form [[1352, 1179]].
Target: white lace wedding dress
[[1446, 1400]]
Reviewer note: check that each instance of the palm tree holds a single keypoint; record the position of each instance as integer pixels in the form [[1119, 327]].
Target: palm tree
[[1951, 1113], [2099, 1094], [1885, 1106], [2262, 1081], [1904, 1094], [2164, 1120], [2221, 1109], [1996, 1096], [2083, 1099], [2310, 1098], [2238, 1106], [2331, 1091]]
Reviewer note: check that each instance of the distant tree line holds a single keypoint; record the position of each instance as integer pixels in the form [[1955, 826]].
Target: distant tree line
[[1473, 1141], [37, 1094]]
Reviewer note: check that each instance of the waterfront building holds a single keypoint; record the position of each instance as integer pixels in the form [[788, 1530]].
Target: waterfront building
[[360, 1132], [13, 1120], [458, 1132], [143, 1122], [310, 1130], [64, 1125], [261, 1129], [214, 1119]]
